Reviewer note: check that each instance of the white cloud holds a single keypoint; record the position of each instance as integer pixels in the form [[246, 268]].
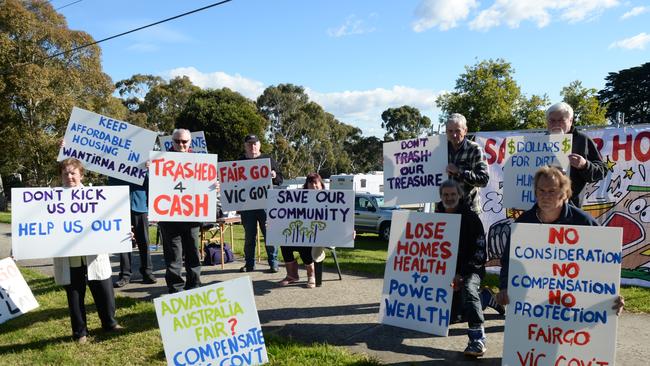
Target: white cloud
[[444, 14], [637, 10], [351, 26], [360, 108], [637, 42]]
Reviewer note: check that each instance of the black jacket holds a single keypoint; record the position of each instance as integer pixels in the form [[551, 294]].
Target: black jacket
[[472, 253], [594, 170], [279, 178]]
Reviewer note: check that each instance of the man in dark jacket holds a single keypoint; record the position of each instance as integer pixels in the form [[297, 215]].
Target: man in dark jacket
[[251, 218], [470, 266], [587, 164]]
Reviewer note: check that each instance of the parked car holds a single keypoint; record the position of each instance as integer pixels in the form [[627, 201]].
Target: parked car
[[371, 216]]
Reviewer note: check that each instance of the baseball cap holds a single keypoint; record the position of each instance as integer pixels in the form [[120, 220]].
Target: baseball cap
[[251, 138]]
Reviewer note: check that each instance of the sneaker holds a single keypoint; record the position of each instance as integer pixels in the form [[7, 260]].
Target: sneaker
[[246, 269], [115, 328], [274, 269], [475, 348], [82, 340], [149, 280], [121, 283], [488, 299]]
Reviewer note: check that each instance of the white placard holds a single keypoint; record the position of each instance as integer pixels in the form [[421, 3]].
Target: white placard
[[524, 156], [199, 145], [562, 284], [420, 268], [212, 325], [16, 298], [63, 222], [309, 217], [414, 170], [107, 146], [244, 184], [182, 187]]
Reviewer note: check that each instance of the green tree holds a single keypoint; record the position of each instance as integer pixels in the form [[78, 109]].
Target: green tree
[[489, 97], [37, 93], [628, 91], [403, 123], [587, 110], [165, 101], [365, 153], [226, 117]]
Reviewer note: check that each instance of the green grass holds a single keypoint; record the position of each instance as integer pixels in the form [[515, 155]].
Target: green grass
[[42, 337], [5, 217]]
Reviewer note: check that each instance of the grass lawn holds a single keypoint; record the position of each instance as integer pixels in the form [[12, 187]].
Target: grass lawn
[[43, 336], [5, 217]]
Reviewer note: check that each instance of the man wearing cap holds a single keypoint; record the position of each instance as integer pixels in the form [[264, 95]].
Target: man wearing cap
[[251, 218]]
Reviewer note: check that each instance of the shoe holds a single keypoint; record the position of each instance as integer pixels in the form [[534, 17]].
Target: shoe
[[246, 269], [275, 269], [149, 280], [475, 348], [82, 340], [488, 299], [121, 283], [115, 328]]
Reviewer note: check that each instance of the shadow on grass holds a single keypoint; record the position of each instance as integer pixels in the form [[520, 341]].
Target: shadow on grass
[[43, 286]]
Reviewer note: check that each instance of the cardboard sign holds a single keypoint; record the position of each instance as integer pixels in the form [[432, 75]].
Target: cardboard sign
[[212, 325], [107, 146], [244, 184], [63, 222], [414, 170], [199, 145], [420, 268], [524, 156], [309, 217], [562, 284], [182, 187], [15, 296]]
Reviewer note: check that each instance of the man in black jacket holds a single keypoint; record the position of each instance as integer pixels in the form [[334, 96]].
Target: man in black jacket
[[587, 164], [470, 266], [251, 218]]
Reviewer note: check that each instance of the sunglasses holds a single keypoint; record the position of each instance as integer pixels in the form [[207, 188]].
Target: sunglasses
[[181, 141]]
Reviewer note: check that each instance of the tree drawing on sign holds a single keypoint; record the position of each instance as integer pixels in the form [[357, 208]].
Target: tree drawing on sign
[[298, 232], [315, 226]]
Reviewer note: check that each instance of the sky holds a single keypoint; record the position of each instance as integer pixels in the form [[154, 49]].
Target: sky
[[357, 58]]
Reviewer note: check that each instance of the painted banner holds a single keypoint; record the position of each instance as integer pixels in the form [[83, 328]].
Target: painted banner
[[199, 145], [562, 283], [244, 184], [309, 217], [182, 187], [626, 152], [107, 146], [212, 325], [15, 296], [525, 154], [414, 170], [63, 222], [420, 268]]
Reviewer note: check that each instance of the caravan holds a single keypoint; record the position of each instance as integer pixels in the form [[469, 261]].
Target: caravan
[[369, 183]]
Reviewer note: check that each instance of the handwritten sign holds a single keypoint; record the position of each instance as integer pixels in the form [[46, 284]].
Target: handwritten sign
[[15, 296], [212, 325], [199, 145], [63, 222], [420, 268], [107, 146], [244, 184], [182, 187], [308, 217], [562, 284], [524, 156], [414, 170]]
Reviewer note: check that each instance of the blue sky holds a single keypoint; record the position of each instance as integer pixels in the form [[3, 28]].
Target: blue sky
[[357, 58]]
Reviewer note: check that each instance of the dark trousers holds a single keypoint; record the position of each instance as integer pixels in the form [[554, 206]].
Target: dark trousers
[[103, 296], [140, 224], [305, 254], [181, 241], [471, 300], [250, 219]]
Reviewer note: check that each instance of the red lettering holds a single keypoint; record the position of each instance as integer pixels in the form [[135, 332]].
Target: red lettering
[[599, 143], [626, 147], [561, 234], [638, 154], [557, 297], [440, 229], [156, 204], [571, 270], [494, 156], [445, 249], [185, 205]]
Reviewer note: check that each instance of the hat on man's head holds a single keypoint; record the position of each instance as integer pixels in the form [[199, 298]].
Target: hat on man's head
[[251, 139]]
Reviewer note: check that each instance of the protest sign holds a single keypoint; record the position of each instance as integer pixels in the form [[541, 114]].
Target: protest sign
[[212, 325], [199, 145], [524, 156], [244, 184], [309, 217], [562, 284], [107, 146], [15, 296], [420, 268], [414, 170], [182, 187], [63, 222]]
